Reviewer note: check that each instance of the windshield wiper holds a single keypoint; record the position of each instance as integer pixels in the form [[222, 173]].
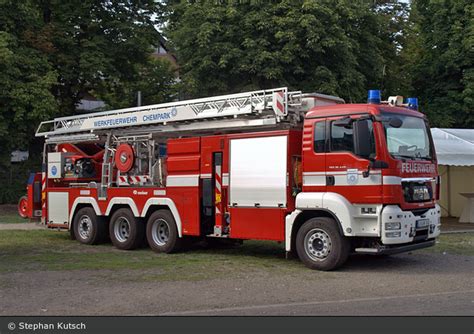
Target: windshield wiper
[[412, 157], [425, 158], [403, 156]]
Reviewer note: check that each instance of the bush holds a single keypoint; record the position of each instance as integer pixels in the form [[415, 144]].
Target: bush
[[14, 178]]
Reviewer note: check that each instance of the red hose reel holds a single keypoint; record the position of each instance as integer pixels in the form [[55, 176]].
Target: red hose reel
[[124, 157]]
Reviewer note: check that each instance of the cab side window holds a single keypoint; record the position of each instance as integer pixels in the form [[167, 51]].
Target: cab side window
[[320, 137], [342, 138]]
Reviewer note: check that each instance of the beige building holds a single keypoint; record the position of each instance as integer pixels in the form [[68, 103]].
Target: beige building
[[455, 152]]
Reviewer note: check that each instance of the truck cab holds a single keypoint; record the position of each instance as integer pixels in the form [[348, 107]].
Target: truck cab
[[372, 168]]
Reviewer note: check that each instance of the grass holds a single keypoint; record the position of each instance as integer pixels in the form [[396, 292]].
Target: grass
[[47, 250], [52, 250], [12, 218], [457, 243]]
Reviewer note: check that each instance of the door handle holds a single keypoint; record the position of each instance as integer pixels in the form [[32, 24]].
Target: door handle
[[330, 180]]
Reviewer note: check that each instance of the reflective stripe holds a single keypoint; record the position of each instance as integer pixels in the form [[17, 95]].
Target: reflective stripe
[[218, 179], [394, 180], [225, 179], [314, 180], [182, 180], [372, 180], [342, 178], [122, 180], [43, 197]]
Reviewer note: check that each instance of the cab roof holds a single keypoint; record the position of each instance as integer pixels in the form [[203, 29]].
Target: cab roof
[[362, 108]]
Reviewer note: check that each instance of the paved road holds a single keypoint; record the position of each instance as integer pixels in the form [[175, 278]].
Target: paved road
[[440, 303], [408, 284]]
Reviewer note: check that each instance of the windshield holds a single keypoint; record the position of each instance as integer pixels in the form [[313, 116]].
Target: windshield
[[407, 137]]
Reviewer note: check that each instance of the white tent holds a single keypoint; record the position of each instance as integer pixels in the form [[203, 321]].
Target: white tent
[[455, 153]]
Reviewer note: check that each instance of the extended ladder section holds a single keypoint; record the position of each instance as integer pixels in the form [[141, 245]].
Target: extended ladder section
[[267, 106]]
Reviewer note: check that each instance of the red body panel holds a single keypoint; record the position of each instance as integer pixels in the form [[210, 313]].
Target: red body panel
[[258, 223]]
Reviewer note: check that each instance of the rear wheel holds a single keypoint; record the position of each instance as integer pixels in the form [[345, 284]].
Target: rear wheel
[[126, 231], [320, 245], [23, 207], [88, 228], [162, 232]]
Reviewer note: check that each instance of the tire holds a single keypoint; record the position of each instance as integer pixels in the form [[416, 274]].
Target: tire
[[162, 233], [320, 245], [23, 207], [126, 231], [87, 227]]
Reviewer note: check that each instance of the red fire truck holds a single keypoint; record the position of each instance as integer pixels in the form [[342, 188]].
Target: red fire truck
[[324, 177]]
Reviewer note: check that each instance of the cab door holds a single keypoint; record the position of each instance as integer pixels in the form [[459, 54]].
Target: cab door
[[314, 156], [347, 169]]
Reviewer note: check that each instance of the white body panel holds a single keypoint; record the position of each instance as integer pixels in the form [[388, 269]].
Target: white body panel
[[55, 165], [84, 200], [363, 220], [407, 220], [258, 171], [58, 207], [128, 201]]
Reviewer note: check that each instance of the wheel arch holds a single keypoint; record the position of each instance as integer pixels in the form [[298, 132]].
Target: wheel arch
[[301, 218], [83, 202], [161, 203], [116, 207], [122, 202]]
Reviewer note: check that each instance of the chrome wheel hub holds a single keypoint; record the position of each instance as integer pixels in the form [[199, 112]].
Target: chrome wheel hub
[[160, 232], [317, 244], [122, 229], [85, 227]]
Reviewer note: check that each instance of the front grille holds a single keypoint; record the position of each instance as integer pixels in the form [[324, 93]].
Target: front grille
[[419, 212], [416, 192], [421, 235]]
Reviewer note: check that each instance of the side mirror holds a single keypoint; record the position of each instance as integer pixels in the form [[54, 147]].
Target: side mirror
[[395, 122], [380, 164], [362, 135]]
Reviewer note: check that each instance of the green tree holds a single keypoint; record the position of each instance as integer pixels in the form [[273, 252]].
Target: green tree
[[97, 44], [53, 52], [26, 79], [333, 47], [155, 79], [442, 62], [26, 76]]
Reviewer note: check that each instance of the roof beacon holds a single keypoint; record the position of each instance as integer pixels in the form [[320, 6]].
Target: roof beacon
[[412, 103], [374, 96]]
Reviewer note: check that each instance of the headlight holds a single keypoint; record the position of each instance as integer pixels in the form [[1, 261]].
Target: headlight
[[392, 226], [393, 234]]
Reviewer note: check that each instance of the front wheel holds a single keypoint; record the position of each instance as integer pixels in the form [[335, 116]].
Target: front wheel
[[320, 245], [162, 232]]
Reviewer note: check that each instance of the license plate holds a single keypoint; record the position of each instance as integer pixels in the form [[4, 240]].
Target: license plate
[[422, 223]]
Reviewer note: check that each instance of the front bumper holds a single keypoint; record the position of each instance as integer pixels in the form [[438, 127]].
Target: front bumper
[[389, 250], [412, 228]]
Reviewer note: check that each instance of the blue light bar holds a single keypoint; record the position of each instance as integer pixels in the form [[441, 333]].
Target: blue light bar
[[374, 96], [412, 103]]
